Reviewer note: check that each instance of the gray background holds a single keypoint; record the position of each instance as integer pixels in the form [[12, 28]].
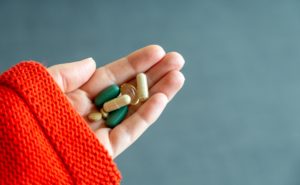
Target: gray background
[[235, 122]]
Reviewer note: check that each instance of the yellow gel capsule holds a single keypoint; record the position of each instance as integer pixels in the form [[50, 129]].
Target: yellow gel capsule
[[130, 90], [142, 87], [116, 103]]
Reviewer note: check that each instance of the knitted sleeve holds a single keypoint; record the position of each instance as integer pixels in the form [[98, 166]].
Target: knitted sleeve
[[43, 140]]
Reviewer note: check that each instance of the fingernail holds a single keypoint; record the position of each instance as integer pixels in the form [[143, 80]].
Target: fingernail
[[90, 59]]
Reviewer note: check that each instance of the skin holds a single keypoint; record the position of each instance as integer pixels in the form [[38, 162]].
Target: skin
[[81, 82]]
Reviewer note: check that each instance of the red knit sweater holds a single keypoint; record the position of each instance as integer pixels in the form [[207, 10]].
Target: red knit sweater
[[43, 140]]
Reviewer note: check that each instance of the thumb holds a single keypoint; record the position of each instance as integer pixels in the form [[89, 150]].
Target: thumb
[[71, 76]]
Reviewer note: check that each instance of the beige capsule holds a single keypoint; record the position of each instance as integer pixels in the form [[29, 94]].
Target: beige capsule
[[116, 103], [95, 116], [142, 86], [130, 90]]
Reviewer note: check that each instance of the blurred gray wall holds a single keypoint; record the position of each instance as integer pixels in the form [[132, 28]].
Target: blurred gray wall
[[237, 119]]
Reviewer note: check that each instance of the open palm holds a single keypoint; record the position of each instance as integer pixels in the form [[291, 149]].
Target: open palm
[[81, 82]]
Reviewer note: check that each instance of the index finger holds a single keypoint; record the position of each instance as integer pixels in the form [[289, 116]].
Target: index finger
[[123, 69]]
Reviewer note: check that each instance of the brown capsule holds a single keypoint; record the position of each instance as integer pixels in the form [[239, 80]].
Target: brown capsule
[[117, 103]]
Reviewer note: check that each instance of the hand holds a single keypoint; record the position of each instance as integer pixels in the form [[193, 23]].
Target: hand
[[81, 82]]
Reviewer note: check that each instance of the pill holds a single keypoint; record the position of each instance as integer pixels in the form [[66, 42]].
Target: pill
[[95, 116], [104, 114], [116, 117], [142, 86], [116, 103], [130, 90], [107, 94]]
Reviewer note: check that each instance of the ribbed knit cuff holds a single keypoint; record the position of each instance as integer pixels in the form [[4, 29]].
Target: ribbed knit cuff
[[87, 161]]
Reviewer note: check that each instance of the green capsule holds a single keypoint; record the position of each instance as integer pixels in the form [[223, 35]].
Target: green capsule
[[116, 117], [107, 94]]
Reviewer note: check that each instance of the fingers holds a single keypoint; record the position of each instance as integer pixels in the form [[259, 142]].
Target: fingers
[[169, 84], [171, 61], [123, 69], [126, 133], [71, 76]]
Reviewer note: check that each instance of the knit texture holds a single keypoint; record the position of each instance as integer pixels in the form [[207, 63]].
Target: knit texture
[[43, 140]]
